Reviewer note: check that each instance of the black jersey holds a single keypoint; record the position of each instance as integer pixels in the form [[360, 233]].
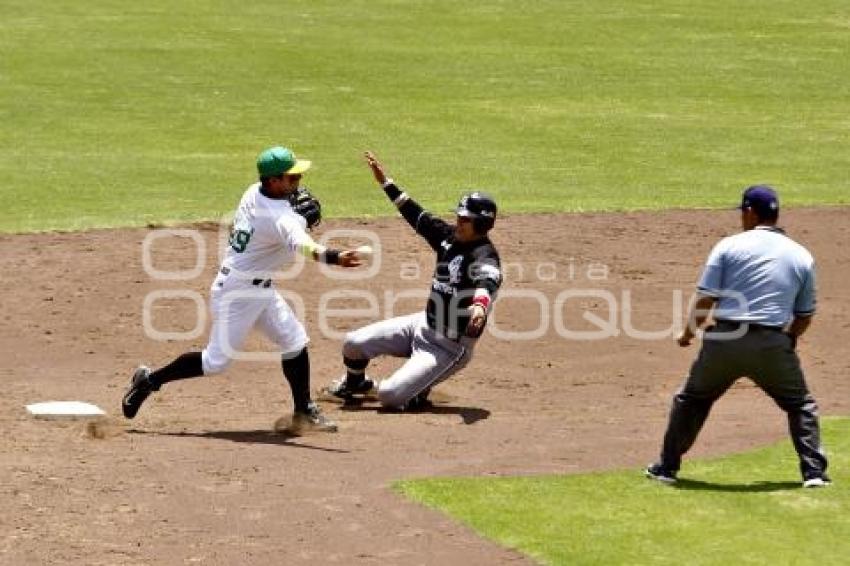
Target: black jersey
[[462, 268]]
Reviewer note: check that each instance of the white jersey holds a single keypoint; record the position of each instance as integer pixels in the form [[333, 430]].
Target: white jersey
[[266, 234]]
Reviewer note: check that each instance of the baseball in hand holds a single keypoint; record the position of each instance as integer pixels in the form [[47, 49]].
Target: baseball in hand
[[364, 251]]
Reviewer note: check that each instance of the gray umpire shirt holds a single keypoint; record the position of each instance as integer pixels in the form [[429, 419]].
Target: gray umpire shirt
[[760, 276]]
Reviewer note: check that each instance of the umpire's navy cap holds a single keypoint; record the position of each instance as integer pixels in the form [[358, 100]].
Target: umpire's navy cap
[[761, 199]]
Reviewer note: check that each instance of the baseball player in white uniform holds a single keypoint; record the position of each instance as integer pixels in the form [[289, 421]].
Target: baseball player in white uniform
[[269, 228]]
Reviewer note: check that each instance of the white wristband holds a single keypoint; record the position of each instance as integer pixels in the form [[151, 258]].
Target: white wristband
[[401, 199]]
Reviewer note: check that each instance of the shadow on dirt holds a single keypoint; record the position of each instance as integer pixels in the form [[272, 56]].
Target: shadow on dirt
[[470, 415], [249, 436]]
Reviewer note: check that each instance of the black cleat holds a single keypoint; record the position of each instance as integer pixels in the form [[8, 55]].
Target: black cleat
[[341, 390], [658, 472], [140, 388], [420, 402]]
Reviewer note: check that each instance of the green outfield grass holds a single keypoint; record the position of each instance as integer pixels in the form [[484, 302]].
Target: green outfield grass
[[743, 509], [124, 113]]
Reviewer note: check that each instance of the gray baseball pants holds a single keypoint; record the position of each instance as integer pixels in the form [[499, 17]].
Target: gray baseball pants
[[432, 357], [767, 357]]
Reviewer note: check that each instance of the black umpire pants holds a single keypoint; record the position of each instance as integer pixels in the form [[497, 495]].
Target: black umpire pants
[[766, 356]]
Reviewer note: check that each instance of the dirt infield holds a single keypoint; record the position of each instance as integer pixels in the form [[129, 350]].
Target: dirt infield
[[197, 477]]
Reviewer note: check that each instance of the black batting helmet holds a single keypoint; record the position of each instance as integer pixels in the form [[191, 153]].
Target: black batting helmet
[[481, 208]]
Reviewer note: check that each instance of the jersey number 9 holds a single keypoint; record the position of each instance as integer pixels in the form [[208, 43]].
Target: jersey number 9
[[239, 239]]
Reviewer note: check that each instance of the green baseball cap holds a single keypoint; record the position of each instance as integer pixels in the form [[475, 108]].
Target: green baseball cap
[[276, 161]]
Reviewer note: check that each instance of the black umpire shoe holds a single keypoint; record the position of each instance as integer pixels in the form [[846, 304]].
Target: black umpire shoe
[[817, 480], [658, 472], [140, 388]]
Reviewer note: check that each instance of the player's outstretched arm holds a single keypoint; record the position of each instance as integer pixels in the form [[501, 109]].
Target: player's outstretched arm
[[376, 167], [302, 243], [429, 227], [342, 258]]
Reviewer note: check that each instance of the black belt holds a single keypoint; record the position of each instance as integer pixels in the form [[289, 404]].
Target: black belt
[[265, 283], [736, 324]]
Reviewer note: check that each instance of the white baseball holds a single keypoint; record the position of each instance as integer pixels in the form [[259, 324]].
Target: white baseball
[[364, 251]]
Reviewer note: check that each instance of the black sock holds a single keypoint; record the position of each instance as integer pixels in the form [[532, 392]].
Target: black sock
[[355, 370], [297, 372], [186, 366]]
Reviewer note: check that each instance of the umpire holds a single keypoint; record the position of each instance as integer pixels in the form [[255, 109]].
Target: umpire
[[760, 285]]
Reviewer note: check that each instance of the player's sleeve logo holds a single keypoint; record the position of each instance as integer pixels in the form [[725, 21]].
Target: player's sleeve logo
[[487, 271]]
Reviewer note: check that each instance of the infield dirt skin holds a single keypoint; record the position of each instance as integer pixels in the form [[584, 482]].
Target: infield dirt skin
[[199, 478]]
